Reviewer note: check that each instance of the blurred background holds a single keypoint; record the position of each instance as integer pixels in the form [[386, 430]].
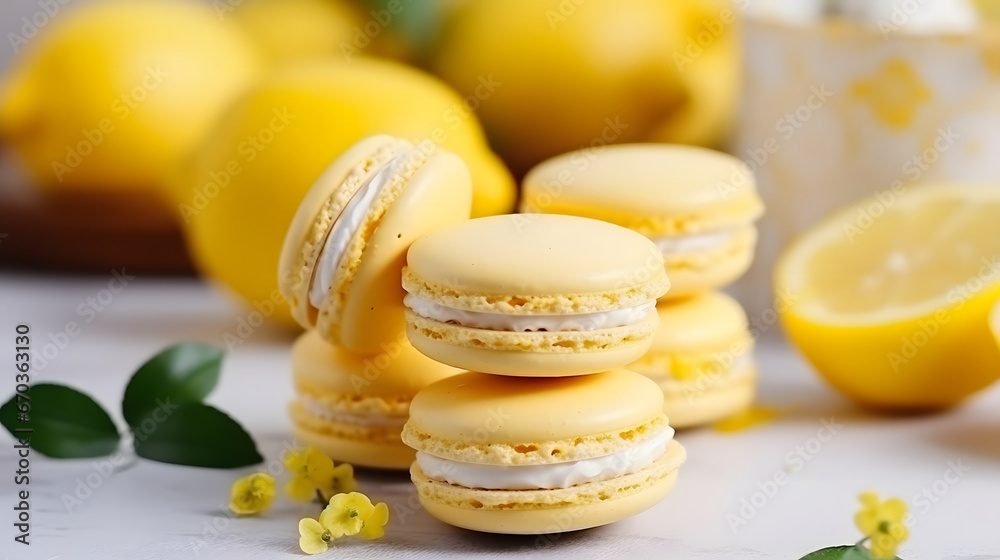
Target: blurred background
[[177, 137], [174, 139]]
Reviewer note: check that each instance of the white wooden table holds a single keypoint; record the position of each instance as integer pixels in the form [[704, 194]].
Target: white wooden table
[[726, 504]]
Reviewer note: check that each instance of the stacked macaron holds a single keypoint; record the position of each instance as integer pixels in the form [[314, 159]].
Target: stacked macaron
[[547, 433], [698, 207], [354, 371]]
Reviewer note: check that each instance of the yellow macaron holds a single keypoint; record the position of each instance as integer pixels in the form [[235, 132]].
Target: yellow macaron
[[341, 260], [698, 205], [530, 456], [533, 295], [702, 358], [353, 406]]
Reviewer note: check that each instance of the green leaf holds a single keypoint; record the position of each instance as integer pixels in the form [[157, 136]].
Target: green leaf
[[197, 435], [180, 374], [849, 552], [67, 424]]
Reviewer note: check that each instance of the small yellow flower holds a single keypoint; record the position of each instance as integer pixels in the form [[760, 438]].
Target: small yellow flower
[[343, 480], [252, 494], [354, 514], [310, 469], [883, 523], [313, 538]]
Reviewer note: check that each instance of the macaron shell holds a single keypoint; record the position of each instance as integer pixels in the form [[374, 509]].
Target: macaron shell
[[364, 450], [396, 374], [707, 322], [378, 386], [481, 418], [699, 272], [517, 363], [438, 195], [701, 358], [535, 263], [690, 404], [316, 213], [651, 188], [691, 365], [530, 512]]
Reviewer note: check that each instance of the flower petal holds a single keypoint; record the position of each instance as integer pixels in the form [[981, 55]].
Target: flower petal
[[374, 525], [237, 496], [894, 509], [343, 479], [868, 498], [319, 467], [300, 488], [312, 545], [898, 532], [883, 546], [867, 521], [310, 527], [294, 461], [311, 536]]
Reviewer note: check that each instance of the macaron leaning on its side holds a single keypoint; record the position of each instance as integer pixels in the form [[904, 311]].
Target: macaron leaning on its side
[[531, 456], [697, 205], [352, 407], [341, 260], [533, 295], [702, 358]]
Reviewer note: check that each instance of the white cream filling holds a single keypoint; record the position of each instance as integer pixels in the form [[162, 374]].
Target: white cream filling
[[320, 410], [687, 244], [546, 477], [346, 226], [529, 323]]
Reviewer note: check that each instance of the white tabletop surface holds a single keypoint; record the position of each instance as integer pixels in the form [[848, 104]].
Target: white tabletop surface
[[152, 511]]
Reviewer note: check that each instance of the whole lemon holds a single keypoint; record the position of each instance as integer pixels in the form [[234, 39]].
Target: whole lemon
[[113, 94], [573, 74], [290, 30], [710, 71], [252, 173]]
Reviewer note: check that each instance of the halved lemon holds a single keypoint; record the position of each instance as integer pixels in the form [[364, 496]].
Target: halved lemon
[[890, 299]]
